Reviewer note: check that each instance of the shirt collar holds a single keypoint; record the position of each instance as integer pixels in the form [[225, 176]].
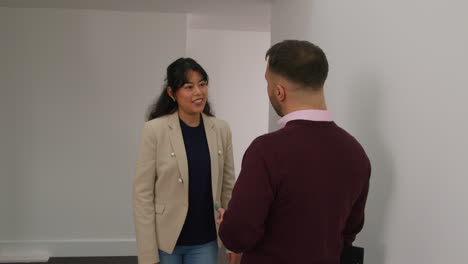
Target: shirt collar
[[310, 115]]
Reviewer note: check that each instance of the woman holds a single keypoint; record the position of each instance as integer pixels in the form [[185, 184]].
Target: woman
[[185, 173]]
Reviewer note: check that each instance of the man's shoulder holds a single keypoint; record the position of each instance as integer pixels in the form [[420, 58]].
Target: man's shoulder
[[266, 141], [274, 137]]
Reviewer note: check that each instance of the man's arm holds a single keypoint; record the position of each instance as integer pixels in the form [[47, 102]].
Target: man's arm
[[243, 224], [356, 218]]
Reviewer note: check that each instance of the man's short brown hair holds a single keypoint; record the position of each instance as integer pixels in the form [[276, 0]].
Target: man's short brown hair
[[299, 61]]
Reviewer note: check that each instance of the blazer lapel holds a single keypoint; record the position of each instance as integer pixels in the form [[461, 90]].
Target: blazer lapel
[[213, 147], [177, 142]]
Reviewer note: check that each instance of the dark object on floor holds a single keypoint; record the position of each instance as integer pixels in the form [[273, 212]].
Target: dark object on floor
[[352, 255]]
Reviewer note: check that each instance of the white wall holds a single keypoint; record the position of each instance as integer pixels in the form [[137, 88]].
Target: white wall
[[82, 81], [235, 63], [398, 83], [7, 135], [231, 22]]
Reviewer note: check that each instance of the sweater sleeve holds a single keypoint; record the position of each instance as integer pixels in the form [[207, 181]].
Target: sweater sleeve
[[355, 220], [243, 225]]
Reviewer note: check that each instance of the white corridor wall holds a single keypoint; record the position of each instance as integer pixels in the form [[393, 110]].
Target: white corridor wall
[[398, 82], [235, 63], [75, 85]]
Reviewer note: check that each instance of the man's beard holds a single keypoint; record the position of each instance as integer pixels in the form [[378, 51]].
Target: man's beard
[[274, 103]]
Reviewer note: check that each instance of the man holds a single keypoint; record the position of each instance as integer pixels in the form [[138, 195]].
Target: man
[[301, 192]]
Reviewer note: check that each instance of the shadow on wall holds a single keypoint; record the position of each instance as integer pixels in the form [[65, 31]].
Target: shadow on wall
[[365, 107]]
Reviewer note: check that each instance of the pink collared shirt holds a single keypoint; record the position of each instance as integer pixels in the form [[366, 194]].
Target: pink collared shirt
[[311, 115]]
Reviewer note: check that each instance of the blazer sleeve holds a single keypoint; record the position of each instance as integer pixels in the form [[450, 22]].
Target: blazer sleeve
[[143, 198], [228, 171]]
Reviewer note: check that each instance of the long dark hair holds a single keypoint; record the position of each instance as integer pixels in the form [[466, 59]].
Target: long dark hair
[[176, 78]]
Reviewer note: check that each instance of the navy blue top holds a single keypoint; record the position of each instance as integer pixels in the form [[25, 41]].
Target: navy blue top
[[199, 227]]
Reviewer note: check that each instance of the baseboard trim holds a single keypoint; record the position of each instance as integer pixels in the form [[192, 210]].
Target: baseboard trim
[[16, 250], [24, 259]]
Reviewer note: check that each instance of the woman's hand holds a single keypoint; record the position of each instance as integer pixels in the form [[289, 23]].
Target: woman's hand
[[234, 258], [220, 216]]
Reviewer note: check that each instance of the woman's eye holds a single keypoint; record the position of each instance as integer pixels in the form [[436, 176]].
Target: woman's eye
[[188, 87]]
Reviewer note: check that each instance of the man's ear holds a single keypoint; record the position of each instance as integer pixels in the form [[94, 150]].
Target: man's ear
[[280, 92]]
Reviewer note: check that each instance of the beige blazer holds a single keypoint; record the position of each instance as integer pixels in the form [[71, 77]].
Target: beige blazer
[[160, 194]]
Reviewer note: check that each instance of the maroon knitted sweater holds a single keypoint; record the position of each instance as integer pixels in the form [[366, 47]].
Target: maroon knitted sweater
[[300, 196]]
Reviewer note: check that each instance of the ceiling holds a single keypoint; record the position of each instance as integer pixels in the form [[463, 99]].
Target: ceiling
[[249, 15], [209, 7]]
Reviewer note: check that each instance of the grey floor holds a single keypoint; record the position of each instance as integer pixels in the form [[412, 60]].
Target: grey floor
[[89, 260], [108, 260]]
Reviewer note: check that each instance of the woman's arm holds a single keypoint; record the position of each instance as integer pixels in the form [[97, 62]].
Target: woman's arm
[[228, 172], [143, 198]]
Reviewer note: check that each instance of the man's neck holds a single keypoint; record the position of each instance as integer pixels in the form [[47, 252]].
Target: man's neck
[[305, 101], [294, 108]]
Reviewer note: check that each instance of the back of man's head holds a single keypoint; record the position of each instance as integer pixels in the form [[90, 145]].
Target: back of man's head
[[300, 62]]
